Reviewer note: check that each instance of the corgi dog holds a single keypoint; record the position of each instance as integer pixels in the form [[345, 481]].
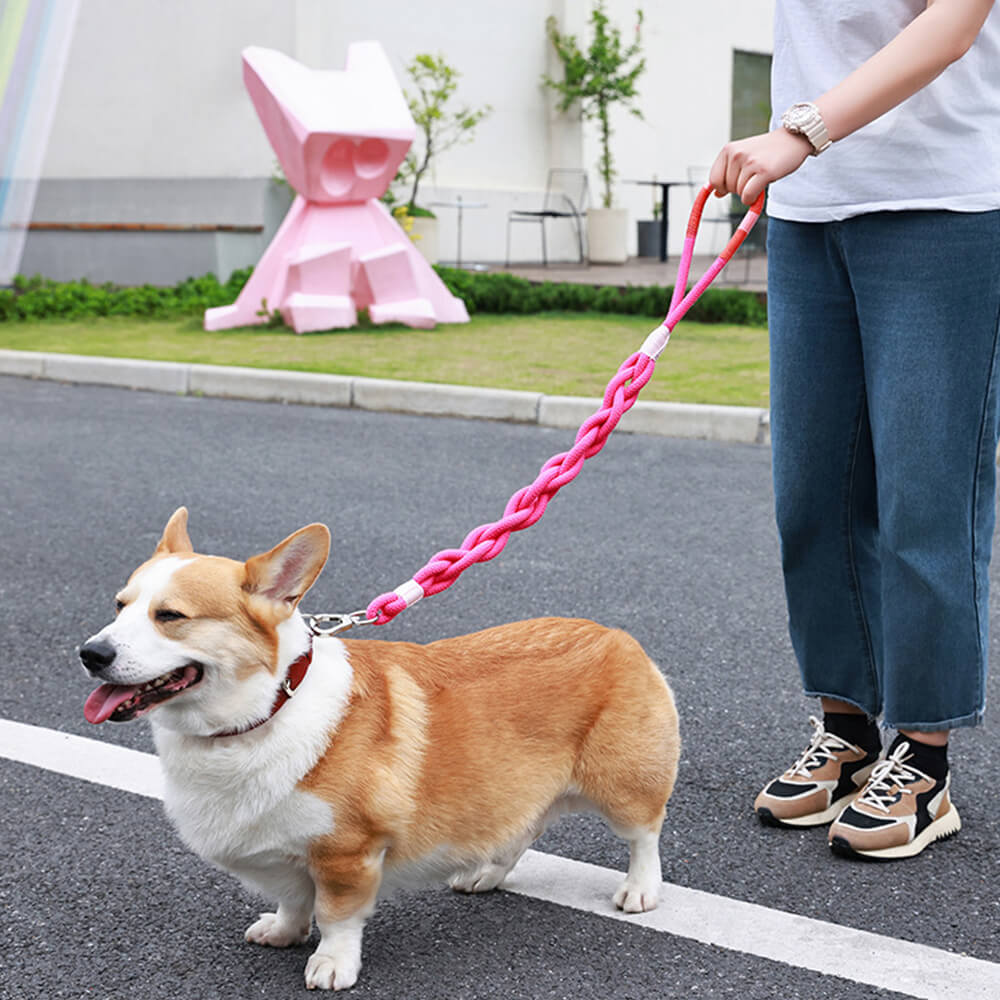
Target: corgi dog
[[321, 771]]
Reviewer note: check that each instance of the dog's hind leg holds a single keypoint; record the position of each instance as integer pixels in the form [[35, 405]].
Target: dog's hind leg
[[641, 889], [627, 767], [488, 875]]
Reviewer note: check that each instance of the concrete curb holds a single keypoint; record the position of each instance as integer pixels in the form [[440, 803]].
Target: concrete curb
[[746, 424]]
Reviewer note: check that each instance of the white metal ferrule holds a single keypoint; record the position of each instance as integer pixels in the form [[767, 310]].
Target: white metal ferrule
[[411, 592], [653, 346]]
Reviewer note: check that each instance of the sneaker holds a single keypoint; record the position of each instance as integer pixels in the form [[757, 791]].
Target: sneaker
[[899, 812], [814, 790]]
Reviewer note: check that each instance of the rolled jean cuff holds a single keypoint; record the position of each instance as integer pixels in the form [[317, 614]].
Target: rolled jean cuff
[[963, 722], [839, 697]]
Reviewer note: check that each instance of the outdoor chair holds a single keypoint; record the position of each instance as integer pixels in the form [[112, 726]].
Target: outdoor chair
[[565, 198]]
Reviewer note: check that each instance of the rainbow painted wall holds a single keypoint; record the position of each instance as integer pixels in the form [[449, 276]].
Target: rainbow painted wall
[[34, 43]]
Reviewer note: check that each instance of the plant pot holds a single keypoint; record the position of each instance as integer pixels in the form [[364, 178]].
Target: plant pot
[[607, 235], [425, 237], [648, 231]]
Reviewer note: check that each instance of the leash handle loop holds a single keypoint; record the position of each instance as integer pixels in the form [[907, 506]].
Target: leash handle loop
[[527, 505], [680, 302]]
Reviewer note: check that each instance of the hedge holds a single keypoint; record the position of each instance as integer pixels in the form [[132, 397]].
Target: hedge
[[38, 298], [506, 293]]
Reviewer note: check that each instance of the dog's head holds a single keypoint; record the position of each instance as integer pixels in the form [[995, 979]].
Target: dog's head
[[201, 638]]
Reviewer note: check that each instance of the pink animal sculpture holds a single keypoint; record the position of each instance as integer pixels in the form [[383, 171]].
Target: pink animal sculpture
[[340, 138]]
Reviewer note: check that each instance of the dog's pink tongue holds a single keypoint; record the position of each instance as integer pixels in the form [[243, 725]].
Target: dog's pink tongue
[[105, 700]]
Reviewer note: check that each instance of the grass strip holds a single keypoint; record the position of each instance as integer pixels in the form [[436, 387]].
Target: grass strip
[[571, 354]]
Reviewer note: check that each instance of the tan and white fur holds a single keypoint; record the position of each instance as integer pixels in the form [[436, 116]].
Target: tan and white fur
[[393, 762]]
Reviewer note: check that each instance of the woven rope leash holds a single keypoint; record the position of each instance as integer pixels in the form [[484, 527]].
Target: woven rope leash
[[527, 505]]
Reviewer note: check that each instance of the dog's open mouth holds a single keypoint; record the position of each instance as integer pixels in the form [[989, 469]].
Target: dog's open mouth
[[123, 702]]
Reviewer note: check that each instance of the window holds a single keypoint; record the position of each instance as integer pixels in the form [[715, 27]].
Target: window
[[751, 104]]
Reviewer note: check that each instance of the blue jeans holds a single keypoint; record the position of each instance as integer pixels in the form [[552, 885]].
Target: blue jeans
[[884, 422]]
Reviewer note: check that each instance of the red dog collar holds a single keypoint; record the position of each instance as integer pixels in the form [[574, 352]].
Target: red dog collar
[[296, 674]]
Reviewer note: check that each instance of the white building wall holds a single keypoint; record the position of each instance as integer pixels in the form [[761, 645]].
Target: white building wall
[[153, 89], [154, 125]]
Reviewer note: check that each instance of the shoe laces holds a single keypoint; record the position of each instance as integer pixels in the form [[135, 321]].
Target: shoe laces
[[822, 747], [889, 779]]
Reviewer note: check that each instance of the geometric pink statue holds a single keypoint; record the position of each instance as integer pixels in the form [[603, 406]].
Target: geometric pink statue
[[340, 138]]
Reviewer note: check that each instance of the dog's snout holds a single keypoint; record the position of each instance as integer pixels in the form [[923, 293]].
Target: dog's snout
[[97, 654]]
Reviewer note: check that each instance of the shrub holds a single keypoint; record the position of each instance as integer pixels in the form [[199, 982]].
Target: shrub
[[39, 298], [505, 293]]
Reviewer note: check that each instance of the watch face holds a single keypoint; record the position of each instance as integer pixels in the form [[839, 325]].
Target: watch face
[[799, 115]]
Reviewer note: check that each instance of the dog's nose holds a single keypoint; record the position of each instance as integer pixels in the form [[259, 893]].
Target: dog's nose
[[97, 654]]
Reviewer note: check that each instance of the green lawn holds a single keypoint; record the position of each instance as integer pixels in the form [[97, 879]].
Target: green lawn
[[557, 353]]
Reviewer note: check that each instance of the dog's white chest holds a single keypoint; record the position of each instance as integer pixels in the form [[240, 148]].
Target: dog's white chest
[[237, 800], [246, 820]]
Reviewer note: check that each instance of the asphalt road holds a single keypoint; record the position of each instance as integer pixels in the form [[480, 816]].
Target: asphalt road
[[672, 540]]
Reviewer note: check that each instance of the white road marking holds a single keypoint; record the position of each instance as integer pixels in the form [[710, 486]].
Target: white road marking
[[859, 956], [90, 760], [802, 942]]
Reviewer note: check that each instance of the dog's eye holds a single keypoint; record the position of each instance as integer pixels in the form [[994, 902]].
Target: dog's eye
[[166, 615]]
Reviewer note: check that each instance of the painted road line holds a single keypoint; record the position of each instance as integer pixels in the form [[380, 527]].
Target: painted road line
[[802, 942], [832, 949], [91, 760]]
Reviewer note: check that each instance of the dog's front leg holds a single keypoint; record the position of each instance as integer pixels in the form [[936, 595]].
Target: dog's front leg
[[346, 889], [292, 887]]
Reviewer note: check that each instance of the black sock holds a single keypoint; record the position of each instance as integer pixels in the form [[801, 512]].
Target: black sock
[[926, 757], [856, 728]]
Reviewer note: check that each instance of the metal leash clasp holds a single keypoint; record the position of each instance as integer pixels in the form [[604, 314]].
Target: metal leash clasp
[[330, 625]]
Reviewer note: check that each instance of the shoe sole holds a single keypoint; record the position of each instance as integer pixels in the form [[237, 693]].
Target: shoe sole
[[827, 815], [941, 829], [812, 819]]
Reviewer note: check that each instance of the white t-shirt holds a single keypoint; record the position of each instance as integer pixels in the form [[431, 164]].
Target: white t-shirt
[[939, 149]]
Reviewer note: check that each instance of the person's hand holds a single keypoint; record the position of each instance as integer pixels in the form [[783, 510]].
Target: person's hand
[[745, 167]]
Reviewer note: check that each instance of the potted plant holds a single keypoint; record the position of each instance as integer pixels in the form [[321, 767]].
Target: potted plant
[[648, 233], [440, 127], [597, 79]]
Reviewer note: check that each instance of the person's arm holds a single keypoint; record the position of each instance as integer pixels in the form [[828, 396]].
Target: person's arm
[[932, 41]]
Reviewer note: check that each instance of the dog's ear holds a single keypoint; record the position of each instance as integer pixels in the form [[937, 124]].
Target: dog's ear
[[175, 535], [282, 576]]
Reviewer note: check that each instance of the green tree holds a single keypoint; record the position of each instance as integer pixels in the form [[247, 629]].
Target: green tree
[[599, 78], [440, 127]]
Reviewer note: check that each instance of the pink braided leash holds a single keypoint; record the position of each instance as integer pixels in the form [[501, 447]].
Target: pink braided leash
[[527, 505]]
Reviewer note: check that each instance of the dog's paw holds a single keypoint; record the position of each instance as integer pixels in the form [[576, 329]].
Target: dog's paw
[[271, 931], [325, 972], [482, 879], [635, 899]]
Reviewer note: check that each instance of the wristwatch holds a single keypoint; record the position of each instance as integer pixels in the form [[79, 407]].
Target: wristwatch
[[804, 119]]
